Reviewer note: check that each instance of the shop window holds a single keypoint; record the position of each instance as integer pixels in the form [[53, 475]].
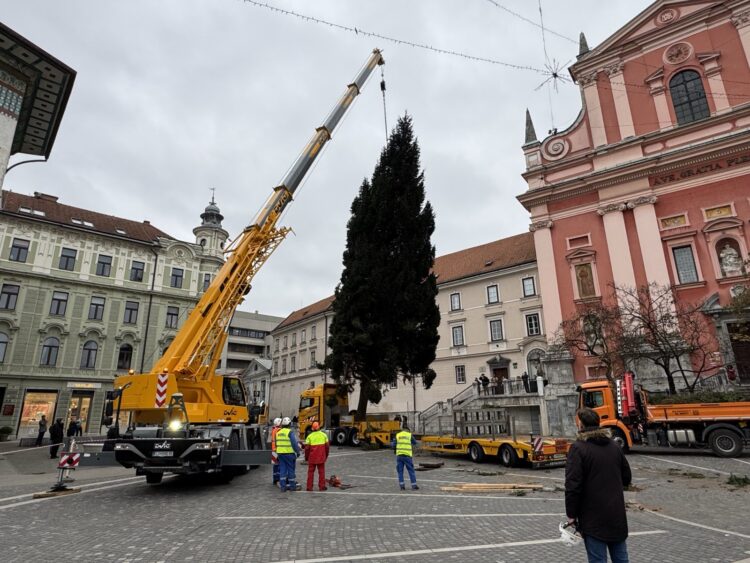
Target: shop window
[[50, 349], [35, 404], [688, 97], [88, 355]]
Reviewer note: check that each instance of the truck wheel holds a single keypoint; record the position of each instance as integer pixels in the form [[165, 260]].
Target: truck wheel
[[354, 439], [619, 438], [476, 453], [154, 478], [725, 443], [340, 437], [508, 456]]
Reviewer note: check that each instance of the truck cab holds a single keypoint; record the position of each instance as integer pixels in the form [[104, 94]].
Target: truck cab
[[322, 404], [598, 396]]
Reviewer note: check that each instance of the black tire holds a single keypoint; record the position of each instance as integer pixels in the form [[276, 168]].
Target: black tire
[[354, 439], [618, 437], [340, 436], [508, 456], [154, 478], [725, 442], [476, 453]]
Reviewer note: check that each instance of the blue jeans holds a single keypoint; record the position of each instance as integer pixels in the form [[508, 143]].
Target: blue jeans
[[596, 550], [287, 478], [405, 461]]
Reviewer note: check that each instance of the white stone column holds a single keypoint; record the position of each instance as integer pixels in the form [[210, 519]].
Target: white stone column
[[617, 244], [712, 71], [622, 103], [593, 107], [545, 259], [657, 90], [11, 98], [649, 239], [741, 21]]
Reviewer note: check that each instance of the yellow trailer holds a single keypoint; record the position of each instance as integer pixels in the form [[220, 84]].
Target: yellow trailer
[[537, 452]]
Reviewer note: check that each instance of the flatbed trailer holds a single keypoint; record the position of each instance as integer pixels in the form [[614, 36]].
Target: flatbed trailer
[[537, 452]]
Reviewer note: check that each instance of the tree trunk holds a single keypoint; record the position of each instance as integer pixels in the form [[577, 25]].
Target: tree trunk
[[362, 402], [670, 378]]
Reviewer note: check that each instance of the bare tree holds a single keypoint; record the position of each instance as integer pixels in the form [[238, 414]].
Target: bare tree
[[675, 335]]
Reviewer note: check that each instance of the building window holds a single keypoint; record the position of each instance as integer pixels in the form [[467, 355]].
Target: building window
[[283, 365], [125, 357], [206, 281], [393, 384], [688, 97], [294, 339], [286, 341], [104, 266], [88, 355], [50, 348], [59, 303], [533, 326], [455, 301], [496, 330], [458, 335], [313, 332], [68, 259], [173, 313], [303, 336], [3, 346], [312, 358], [176, 279], [136, 271], [685, 264], [96, 308], [293, 363], [20, 250], [276, 367], [276, 344], [460, 374], [585, 280], [529, 287], [493, 296], [9, 296], [131, 312]]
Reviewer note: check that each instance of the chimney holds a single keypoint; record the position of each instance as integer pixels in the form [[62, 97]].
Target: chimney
[[145, 222], [46, 197]]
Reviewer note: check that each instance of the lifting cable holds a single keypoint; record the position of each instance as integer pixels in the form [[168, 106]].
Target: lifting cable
[[385, 113]]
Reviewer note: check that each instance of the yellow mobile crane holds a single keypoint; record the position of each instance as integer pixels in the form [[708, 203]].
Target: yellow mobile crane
[[185, 417]]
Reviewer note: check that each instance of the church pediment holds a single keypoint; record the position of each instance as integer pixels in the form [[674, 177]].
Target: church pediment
[[722, 225], [660, 15], [580, 254]]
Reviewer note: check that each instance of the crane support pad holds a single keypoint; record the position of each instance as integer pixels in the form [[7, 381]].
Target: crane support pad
[[97, 459], [245, 457]]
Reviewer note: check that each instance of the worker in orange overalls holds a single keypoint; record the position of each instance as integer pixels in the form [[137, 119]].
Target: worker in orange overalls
[[274, 456], [316, 454]]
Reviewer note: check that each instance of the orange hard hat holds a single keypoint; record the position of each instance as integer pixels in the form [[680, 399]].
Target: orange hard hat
[[315, 425]]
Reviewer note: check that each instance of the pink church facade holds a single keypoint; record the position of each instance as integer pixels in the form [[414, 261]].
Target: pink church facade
[[651, 183]]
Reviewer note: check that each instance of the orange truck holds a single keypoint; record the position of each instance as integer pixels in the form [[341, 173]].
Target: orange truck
[[625, 409]]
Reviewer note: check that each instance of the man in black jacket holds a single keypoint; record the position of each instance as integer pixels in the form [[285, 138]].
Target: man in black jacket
[[595, 476], [55, 437]]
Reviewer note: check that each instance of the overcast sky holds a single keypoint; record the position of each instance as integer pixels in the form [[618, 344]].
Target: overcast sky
[[174, 97]]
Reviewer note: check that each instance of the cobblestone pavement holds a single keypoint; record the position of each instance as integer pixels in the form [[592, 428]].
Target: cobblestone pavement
[[683, 511]]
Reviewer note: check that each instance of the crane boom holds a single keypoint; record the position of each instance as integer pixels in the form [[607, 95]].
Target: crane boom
[[195, 350]]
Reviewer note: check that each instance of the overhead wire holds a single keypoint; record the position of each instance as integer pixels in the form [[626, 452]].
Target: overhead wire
[[357, 31], [527, 20]]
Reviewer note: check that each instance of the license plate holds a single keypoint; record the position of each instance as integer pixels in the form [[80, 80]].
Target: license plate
[[163, 454]]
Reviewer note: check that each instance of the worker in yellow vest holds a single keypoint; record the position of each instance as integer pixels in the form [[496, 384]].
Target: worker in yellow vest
[[316, 454], [403, 444], [274, 455], [288, 450]]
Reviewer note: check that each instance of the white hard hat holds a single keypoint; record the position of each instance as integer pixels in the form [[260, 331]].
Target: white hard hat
[[286, 421], [569, 534], [277, 421]]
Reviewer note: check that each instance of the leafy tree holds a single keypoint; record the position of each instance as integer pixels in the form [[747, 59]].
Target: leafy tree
[[386, 317]]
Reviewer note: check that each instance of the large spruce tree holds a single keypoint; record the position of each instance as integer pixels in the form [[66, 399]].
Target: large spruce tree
[[386, 317]]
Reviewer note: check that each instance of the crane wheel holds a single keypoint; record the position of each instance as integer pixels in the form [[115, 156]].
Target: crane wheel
[[508, 456], [354, 439], [340, 436]]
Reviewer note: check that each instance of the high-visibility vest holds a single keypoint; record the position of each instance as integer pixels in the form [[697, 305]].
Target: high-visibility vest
[[403, 443], [316, 438], [274, 431], [284, 442]]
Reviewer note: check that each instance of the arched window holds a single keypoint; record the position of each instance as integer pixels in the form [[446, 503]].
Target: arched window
[[50, 348], [688, 97], [125, 357], [3, 346], [88, 356]]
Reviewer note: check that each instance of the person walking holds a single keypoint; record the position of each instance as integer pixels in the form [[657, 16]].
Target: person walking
[[595, 476], [42, 430], [316, 454], [287, 448], [403, 443], [56, 432], [485, 384], [72, 428], [274, 455]]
